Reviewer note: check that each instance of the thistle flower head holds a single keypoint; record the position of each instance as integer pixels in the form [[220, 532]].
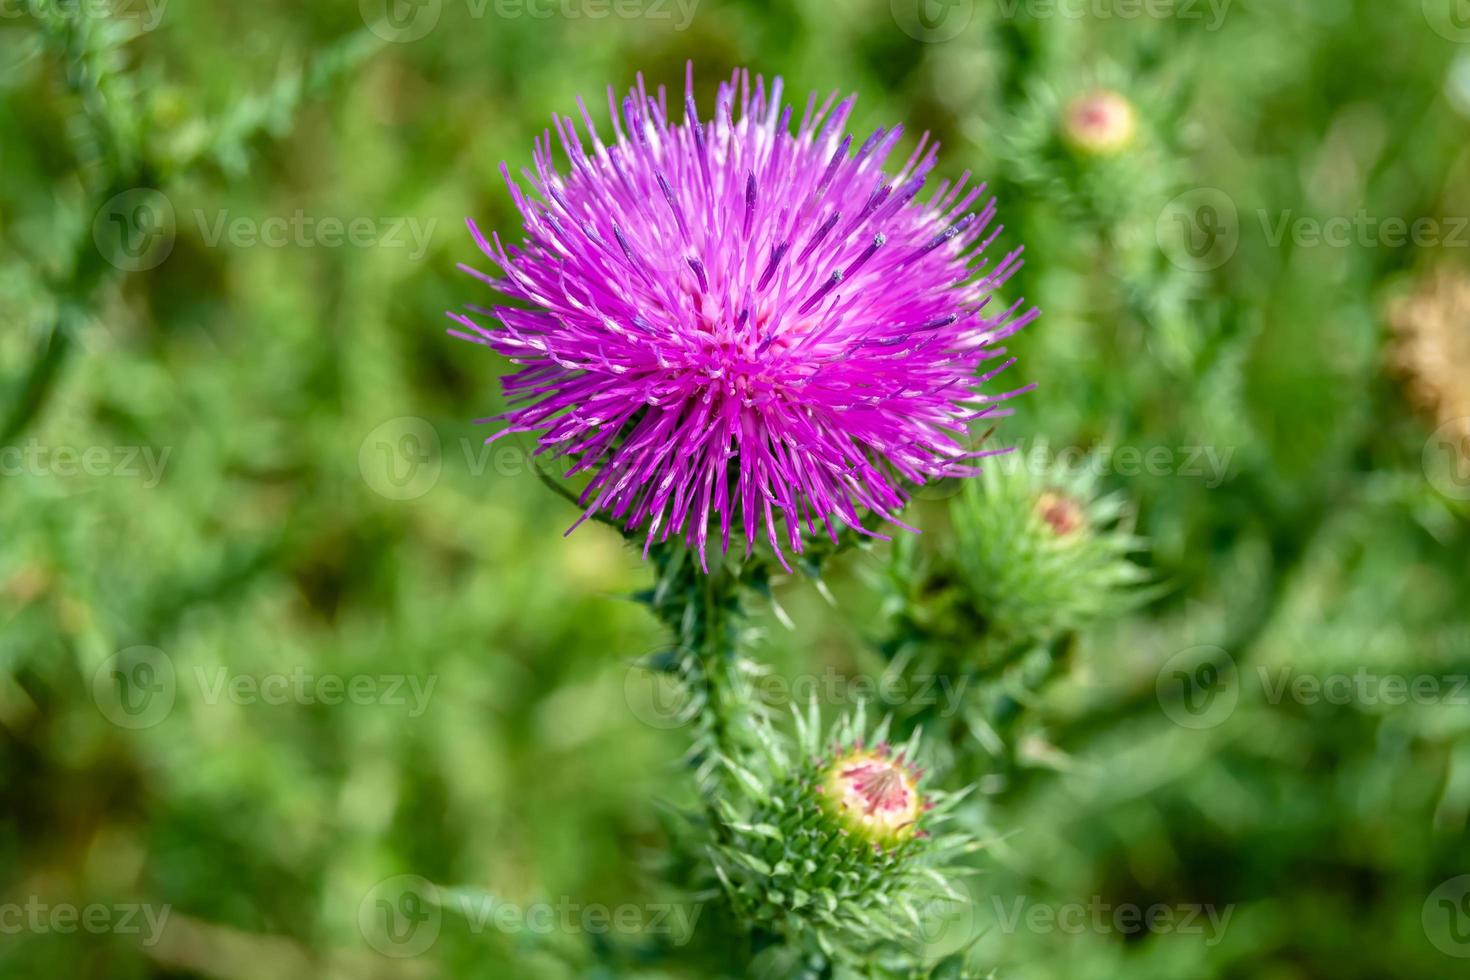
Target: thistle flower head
[[738, 328]]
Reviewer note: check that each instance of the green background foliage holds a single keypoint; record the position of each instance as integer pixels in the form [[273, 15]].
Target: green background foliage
[[319, 506]]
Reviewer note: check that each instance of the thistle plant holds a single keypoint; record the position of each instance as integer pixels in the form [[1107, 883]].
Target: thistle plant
[[292, 686], [726, 329]]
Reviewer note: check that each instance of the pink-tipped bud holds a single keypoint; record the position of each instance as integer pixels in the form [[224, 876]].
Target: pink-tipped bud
[[875, 797], [1062, 513], [1100, 123]]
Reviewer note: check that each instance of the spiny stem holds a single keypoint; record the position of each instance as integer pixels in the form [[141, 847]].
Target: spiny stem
[[706, 615]]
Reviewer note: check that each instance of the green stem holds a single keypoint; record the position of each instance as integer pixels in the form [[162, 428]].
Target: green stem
[[706, 614]]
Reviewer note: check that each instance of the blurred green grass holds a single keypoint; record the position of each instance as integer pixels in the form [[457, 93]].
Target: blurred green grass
[[306, 522]]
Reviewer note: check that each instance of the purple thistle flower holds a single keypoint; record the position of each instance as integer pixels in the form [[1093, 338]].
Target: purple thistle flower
[[728, 322]]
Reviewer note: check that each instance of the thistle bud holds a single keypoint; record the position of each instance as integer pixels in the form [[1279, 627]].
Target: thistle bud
[[872, 795], [834, 850], [1063, 514], [1100, 123], [1039, 552]]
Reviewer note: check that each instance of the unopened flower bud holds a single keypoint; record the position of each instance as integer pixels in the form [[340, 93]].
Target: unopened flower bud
[[1039, 552], [1061, 512], [841, 845], [873, 795], [1100, 123]]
